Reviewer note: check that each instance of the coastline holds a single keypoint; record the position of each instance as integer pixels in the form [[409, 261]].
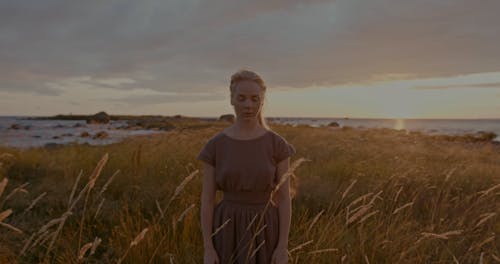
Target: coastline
[[120, 127]]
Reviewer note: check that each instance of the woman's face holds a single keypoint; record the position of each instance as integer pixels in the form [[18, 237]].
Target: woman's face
[[247, 100]]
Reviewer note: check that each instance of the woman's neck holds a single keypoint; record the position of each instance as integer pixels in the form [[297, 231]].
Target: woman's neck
[[245, 128]]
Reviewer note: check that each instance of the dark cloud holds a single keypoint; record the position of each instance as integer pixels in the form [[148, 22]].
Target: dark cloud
[[167, 98], [193, 46]]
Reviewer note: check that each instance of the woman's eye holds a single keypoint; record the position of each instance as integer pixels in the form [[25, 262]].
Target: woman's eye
[[255, 99]]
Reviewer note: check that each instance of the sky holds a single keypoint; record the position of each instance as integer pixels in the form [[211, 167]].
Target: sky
[[345, 58]]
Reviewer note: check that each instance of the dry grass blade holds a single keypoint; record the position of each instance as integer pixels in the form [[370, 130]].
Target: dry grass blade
[[158, 207], [97, 171], [184, 213], [5, 214], [359, 213], [375, 197], [39, 239], [359, 199], [26, 244], [139, 237], [58, 230], [18, 189], [178, 190], [220, 227], [84, 250], [443, 236], [488, 191], [3, 184], [288, 174], [134, 242], [256, 249], [316, 218], [260, 230], [99, 208], [183, 184], [299, 247], [74, 188], [448, 175], [402, 207], [348, 189], [13, 228], [323, 251], [484, 218], [368, 216], [5, 156], [96, 243], [397, 194], [50, 224], [484, 242], [252, 221], [108, 182], [34, 202]]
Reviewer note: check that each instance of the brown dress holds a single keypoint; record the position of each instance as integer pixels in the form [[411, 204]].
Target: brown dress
[[245, 170]]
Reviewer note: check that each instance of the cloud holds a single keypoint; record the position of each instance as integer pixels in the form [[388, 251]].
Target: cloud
[[479, 85], [167, 98], [191, 46]]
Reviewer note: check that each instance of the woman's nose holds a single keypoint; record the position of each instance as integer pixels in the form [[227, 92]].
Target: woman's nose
[[247, 103]]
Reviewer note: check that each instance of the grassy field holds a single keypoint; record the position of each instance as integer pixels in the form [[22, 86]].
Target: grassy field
[[364, 196]]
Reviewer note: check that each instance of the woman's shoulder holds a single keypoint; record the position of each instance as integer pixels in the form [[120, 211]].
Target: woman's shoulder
[[276, 136], [216, 137]]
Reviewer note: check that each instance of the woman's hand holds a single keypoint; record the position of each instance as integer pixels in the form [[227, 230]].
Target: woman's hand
[[280, 256], [210, 256]]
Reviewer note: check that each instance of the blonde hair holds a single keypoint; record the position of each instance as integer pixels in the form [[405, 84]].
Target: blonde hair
[[247, 75]]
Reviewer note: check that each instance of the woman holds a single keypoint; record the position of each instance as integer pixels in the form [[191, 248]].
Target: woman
[[246, 161]]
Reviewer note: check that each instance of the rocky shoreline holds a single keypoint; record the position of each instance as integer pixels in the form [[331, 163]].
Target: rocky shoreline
[[159, 123]]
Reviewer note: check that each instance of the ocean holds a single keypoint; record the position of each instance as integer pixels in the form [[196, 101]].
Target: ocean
[[36, 133], [426, 126]]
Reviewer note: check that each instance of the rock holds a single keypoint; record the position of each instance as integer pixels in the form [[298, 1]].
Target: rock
[[333, 124], [15, 126], [67, 135], [52, 145], [27, 127], [99, 118], [58, 126], [486, 136], [228, 118], [36, 136], [79, 125], [100, 135], [84, 134], [165, 126], [178, 116], [55, 137]]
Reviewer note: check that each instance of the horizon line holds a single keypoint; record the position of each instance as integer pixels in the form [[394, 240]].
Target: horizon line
[[274, 117]]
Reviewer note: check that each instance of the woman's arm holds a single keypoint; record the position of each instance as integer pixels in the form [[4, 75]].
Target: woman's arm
[[207, 204], [284, 205]]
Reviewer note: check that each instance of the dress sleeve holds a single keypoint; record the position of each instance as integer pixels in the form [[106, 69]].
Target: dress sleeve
[[207, 153], [283, 150]]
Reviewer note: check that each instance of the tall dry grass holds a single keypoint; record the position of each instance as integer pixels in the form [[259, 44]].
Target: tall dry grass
[[374, 196]]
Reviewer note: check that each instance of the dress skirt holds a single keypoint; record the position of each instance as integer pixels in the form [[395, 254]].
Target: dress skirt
[[247, 228]]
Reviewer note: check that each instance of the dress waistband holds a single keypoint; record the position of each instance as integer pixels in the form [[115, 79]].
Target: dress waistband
[[247, 197]]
